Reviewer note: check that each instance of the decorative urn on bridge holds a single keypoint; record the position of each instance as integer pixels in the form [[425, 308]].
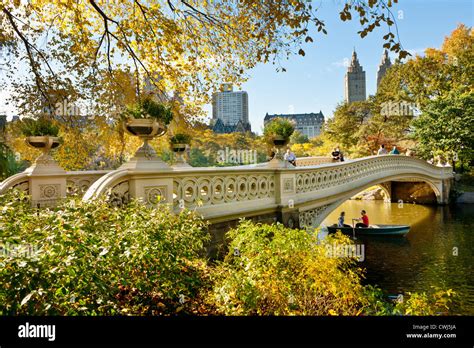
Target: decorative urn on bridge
[[179, 143], [146, 119], [277, 133], [42, 134], [47, 180]]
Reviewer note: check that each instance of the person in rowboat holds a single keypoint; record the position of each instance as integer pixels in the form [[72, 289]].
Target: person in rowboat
[[364, 218], [340, 220]]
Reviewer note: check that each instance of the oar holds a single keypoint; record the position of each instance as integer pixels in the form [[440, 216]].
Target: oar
[[353, 230]]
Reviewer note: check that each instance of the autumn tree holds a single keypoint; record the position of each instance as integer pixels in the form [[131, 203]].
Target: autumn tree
[[184, 47], [446, 127], [433, 75]]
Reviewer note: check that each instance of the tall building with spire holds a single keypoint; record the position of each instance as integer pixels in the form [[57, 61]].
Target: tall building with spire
[[355, 81], [385, 63]]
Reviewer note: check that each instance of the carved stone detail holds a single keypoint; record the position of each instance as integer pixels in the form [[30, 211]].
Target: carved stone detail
[[50, 191], [212, 190], [119, 194], [288, 185], [155, 194]]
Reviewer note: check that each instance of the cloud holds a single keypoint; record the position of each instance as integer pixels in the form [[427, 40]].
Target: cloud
[[343, 63], [291, 109]]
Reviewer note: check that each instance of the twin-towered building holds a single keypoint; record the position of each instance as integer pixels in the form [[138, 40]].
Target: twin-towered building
[[355, 87], [230, 110]]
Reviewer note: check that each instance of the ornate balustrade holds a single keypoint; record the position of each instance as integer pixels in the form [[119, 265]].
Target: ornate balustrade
[[309, 190], [313, 161], [226, 193], [49, 187]]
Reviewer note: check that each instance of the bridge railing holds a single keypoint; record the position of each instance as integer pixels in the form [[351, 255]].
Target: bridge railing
[[313, 161], [222, 193], [46, 188]]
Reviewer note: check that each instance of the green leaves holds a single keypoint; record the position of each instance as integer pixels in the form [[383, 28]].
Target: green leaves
[[39, 127], [81, 259], [148, 108], [279, 127]]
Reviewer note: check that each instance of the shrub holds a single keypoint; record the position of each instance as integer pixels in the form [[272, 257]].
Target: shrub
[[180, 138], [93, 259], [148, 108], [278, 127], [272, 270], [40, 127]]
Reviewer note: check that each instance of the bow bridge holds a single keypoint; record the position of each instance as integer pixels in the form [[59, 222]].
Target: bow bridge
[[299, 196]]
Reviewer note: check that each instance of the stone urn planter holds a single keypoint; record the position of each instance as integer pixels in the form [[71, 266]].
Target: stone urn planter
[[179, 148], [146, 129], [179, 143], [44, 143], [280, 143], [277, 133], [146, 119]]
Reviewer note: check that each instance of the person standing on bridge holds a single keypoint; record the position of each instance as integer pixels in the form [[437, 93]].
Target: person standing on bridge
[[394, 150], [364, 218], [336, 154], [382, 150]]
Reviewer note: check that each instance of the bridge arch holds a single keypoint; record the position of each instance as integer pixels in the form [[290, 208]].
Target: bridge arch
[[314, 214]]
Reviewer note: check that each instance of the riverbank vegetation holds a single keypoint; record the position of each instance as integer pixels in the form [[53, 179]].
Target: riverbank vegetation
[[93, 259]]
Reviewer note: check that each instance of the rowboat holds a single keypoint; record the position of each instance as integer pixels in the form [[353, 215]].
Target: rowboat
[[373, 230]]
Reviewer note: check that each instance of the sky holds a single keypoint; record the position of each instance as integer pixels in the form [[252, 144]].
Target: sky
[[315, 82]]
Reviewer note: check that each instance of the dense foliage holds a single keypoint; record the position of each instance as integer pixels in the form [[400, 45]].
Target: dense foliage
[[90, 259], [447, 127], [8, 162], [149, 108], [180, 138], [39, 127], [278, 127], [272, 270], [187, 47], [94, 259]]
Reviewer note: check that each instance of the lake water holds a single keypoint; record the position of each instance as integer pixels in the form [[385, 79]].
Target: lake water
[[438, 251]]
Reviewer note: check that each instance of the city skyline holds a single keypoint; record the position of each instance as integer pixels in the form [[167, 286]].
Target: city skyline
[[316, 81]]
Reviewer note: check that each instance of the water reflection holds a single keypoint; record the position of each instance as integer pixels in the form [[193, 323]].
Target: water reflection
[[437, 252]]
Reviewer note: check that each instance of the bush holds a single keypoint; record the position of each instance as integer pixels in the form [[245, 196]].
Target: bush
[[40, 127], [272, 270], [278, 127], [180, 139], [92, 259], [148, 108]]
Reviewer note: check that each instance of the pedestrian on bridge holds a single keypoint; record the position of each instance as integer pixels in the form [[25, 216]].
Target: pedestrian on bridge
[[290, 157], [394, 150], [382, 150]]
